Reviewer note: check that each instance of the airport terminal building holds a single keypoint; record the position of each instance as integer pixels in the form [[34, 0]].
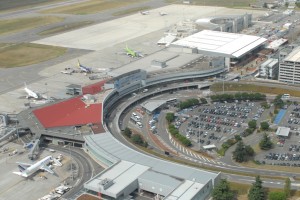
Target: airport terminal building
[[131, 171], [233, 47]]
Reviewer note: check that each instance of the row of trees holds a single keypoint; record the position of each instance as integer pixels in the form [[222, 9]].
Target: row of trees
[[188, 103], [186, 142], [238, 96], [170, 117], [222, 191], [135, 138]]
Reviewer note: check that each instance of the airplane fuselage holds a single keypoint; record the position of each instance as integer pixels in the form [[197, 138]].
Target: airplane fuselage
[[31, 93], [35, 167]]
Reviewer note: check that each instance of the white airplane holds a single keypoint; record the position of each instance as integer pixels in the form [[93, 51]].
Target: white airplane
[[27, 170], [145, 12], [162, 13], [31, 93]]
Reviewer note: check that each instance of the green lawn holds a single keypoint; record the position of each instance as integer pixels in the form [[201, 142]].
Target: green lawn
[[218, 87], [92, 6], [20, 24], [16, 55]]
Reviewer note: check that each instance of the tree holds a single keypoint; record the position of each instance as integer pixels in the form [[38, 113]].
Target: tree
[[265, 143], [252, 124], [287, 187], [242, 152], [278, 101], [237, 138], [127, 132], [137, 139], [249, 150], [203, 100], [222, 191], [170, 117], [239, 153], [264, 126], [276, 196], [256, 191]]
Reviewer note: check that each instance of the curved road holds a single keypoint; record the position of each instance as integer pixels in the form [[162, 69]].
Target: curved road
[[114, 128], [86, 167]]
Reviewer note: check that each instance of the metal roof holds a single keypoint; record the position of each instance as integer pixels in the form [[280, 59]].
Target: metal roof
[[153, 105], [105, 142], [122, 174], [187, 190], [221, 43], [151, 180], [294, 56], [283, 131]]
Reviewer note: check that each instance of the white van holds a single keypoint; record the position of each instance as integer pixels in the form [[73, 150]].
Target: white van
[[140, 124]]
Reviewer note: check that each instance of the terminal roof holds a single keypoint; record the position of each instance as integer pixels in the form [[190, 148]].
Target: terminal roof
[[221, 43]]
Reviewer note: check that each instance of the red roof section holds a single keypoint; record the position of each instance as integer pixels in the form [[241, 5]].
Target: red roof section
[[71, 112], [94, 88]]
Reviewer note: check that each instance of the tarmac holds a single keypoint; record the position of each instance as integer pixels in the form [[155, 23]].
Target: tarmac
[[14, 187], [107, 41]]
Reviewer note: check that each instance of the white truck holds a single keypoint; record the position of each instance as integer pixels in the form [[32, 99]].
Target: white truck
[[62, 189]]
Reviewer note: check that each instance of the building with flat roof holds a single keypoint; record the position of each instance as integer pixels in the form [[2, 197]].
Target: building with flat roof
[[269, 69], [151, 106], [228, 45], [289, 68], [129, 170], [283, 131]]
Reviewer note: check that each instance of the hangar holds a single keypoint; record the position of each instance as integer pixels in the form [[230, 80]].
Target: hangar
[[234, 47]]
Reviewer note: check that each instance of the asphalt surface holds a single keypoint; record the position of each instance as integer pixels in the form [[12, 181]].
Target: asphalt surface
[[87, 167], [13, 78], [114, 128]]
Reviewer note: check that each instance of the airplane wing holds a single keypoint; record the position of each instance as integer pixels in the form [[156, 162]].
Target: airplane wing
[[46, 168], [56, 162], [19, 173], [24, 164]]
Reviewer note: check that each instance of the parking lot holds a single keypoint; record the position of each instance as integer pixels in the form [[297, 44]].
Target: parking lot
[[214, 124], [286, 151]]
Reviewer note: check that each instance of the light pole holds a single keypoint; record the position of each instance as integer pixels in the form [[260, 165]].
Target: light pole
[[198, 135], [71, 161]]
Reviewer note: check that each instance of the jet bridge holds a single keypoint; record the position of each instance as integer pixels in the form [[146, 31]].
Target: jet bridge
[[34, 150]]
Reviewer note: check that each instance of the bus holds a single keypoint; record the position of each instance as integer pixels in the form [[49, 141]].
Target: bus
[[173, 100], [285, 96]]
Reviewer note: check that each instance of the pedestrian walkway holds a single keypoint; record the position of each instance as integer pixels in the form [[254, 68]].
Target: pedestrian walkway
[[191, 155], [279, 116]]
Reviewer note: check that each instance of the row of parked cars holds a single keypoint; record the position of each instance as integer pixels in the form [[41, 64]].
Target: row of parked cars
[[283, 156]]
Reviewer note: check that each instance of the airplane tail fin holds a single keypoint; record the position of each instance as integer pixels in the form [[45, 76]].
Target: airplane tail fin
[[56, 162], [78, 63]]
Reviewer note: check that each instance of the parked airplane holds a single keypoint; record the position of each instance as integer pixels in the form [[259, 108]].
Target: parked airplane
[[133, 53], [162, 13], [145, 12], [31, 93], [84, 69], [28, 169]]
